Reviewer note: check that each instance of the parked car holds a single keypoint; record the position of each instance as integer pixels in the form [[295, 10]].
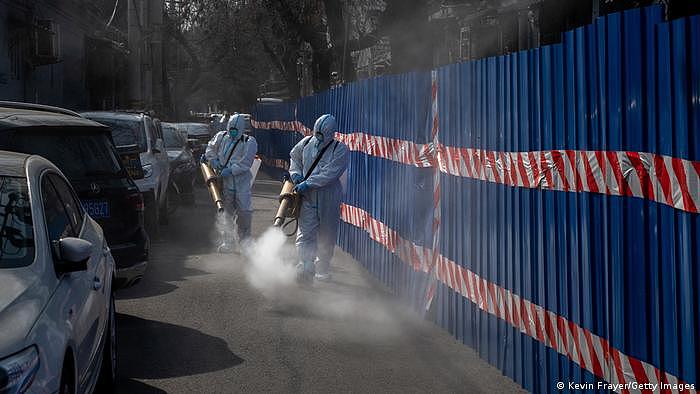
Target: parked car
[[198, 134], [56, 273], [86, 154], [183, 165], [141, 130]]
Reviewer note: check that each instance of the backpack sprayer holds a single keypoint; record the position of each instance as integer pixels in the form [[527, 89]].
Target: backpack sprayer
[[290, 205], [213, 183]]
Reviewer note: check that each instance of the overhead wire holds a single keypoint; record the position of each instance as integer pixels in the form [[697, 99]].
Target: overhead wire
[[114, 13]]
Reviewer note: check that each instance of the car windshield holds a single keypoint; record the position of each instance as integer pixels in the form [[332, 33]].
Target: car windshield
[[197, 129], [17, 233], [82, 154], [126, 131], [173, 138]]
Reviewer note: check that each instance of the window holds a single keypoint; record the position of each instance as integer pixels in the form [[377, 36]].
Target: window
[[16, 44], [16, 228], [58, 223], [197, 129], [126, 131], [173, 138], [70, 203], [81, 154]]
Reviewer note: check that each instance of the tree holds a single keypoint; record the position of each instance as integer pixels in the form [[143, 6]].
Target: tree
[[224, 49], [218, 56]]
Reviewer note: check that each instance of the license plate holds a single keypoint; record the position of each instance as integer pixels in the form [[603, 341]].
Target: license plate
[[96, 209], [132, 163]]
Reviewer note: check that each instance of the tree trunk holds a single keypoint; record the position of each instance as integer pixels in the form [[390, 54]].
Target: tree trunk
[[322, 70], [292, 79], [337, 24]]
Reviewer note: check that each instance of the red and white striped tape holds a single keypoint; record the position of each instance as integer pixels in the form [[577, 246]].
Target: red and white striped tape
[[589, 351], [437, 211], [278, 163], [668, 180], [664, 179], [401, 151], [284, 125]]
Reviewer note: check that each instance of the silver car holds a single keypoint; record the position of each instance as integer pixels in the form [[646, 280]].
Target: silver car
[[57, 330]]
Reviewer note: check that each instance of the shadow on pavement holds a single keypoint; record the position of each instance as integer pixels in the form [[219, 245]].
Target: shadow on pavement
[[149, 349], [132, 386], [144, 290], [180, 240]]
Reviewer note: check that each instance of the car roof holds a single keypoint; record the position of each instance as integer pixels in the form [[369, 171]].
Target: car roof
[[192, 124], [113, 115], [12, 163], [13, 118]]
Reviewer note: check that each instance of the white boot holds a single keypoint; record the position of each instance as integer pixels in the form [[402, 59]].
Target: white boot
[[226, 248], [322, 273], [323, 277]]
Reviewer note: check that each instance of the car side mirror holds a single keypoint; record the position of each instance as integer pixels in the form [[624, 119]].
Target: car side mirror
[[72, 254]]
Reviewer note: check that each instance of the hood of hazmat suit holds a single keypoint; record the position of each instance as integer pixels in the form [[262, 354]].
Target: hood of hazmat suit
[[324, 130]]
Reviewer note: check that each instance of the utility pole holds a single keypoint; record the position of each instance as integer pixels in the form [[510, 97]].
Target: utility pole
[[145, 32], [155, 14], [135, 32]]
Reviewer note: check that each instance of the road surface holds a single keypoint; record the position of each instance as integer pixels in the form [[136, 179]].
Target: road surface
[[204, 322]]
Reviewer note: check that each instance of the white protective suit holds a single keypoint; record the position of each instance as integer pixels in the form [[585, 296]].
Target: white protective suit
[[237, 194], [320, 208]]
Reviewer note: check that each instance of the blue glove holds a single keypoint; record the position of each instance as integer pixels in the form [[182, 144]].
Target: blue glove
[[226, 172], [302, 187], [214, 163], [297, 178]]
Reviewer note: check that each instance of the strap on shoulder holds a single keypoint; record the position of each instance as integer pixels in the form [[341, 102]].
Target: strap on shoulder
[[308, 139]]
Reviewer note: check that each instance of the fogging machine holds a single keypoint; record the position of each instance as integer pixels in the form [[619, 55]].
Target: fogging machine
[[290, 205], [213, 182]]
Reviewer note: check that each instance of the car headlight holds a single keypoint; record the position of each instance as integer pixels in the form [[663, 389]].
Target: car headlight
[[147, 170], [17, 372]]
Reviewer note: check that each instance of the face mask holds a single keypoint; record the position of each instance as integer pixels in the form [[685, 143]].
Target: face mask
[[233, 133], [319, 140]]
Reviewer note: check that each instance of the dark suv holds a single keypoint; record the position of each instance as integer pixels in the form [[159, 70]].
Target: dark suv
[[85, 153]]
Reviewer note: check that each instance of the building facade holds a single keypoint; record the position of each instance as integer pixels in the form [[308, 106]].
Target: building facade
[[83, 54], [61, 53]]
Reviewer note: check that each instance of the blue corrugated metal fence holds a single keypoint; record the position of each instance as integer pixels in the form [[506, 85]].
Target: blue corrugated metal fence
[[566, 279]]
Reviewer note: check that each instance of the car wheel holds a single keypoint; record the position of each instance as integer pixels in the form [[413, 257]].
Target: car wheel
[[67, 379], [163, 210], [108, 371]]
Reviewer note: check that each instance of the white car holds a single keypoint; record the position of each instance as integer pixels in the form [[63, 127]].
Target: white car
[[57, 329], [143, 131]]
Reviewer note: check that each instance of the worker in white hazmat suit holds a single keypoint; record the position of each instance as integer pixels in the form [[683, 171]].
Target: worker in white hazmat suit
[[231, 153], [321, 192]]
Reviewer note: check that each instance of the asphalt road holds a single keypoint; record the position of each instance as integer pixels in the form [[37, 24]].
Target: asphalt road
[[204, 322]]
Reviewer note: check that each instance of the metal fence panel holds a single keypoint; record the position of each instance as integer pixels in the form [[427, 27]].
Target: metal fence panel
[[569, 188]]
